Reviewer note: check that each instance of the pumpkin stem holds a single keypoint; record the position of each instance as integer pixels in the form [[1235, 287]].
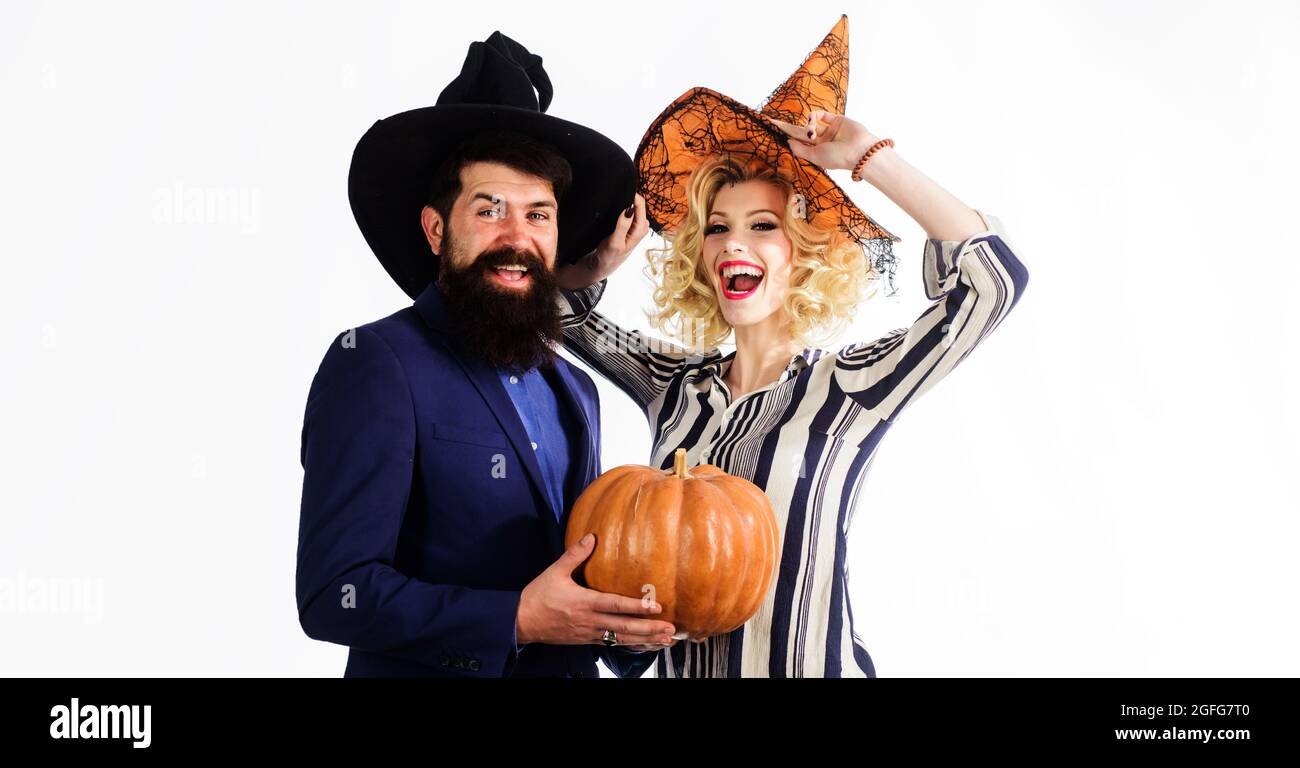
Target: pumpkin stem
[[679, 464]]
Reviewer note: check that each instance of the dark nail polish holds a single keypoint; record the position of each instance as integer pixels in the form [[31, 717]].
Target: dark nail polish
[[631, 209]]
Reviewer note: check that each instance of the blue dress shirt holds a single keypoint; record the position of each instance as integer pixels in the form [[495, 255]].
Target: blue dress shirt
[[549, 428]]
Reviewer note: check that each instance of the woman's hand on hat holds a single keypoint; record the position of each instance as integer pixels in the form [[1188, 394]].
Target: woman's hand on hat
[[828, 140], [609, 255]]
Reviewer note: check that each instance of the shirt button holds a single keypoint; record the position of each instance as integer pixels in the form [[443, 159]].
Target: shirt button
[[534, 445], [704, 455], [514, 379]]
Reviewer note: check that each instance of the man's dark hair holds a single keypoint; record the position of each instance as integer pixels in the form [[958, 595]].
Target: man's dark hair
[[514, 150]]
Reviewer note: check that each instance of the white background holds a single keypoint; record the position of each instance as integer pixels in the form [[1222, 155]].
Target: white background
[[1106, 487]]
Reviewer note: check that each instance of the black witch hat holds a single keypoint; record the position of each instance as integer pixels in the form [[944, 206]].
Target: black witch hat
[[501, 86]]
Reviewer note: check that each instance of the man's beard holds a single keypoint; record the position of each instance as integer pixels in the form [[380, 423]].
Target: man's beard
[[503, 327]]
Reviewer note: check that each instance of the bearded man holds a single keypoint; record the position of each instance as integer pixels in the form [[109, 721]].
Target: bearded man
[[444, 445]]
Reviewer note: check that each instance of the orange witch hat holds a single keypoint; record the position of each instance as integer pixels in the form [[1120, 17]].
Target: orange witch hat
[[701, 123]]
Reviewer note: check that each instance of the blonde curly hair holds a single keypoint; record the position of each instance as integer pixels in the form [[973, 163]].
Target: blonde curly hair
[[831, 271]]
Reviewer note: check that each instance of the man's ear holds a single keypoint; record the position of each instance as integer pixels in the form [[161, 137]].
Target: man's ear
[[434, 228]]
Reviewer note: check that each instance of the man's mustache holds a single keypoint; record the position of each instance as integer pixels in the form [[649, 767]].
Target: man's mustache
[[503, 257]]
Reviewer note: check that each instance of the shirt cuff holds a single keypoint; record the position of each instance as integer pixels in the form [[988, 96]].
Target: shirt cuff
[[941, 260], [576, 306]]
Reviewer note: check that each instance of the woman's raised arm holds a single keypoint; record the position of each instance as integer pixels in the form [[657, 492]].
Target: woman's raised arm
[[641, 366], [971, 271], [974, 283]]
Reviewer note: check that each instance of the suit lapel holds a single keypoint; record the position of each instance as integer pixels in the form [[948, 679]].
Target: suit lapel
[[585, 455]]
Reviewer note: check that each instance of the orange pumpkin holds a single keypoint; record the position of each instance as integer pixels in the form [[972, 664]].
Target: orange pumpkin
[[702, 543]]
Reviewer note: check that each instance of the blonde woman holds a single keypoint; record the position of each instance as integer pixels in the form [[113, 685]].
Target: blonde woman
[[763, 250]]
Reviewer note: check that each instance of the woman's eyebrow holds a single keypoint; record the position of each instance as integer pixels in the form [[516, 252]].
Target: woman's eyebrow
[[751, 213]]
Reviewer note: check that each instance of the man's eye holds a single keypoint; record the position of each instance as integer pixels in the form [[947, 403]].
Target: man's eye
[[541, 216], [714, 229], [492, 211]]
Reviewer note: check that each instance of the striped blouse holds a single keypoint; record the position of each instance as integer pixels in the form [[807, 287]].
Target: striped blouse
[[807, 439]]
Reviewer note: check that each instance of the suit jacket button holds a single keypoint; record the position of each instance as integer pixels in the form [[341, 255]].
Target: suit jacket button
[[474, 665]]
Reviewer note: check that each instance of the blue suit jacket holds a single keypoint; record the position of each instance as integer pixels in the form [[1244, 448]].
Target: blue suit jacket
[[424, 512]]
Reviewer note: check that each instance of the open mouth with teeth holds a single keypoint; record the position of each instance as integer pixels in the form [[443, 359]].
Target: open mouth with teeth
[[511, 274], [740, 279]]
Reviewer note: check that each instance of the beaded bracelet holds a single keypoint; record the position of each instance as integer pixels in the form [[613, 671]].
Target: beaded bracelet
[[857, 171]]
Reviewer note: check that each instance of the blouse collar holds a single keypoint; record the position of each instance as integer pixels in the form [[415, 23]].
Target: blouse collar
[[797, 363]]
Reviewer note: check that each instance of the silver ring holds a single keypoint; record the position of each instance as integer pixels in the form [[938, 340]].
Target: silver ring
[[610, 637]]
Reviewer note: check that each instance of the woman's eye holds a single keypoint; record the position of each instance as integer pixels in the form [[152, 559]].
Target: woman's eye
[[714, 229], [764, 226]]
